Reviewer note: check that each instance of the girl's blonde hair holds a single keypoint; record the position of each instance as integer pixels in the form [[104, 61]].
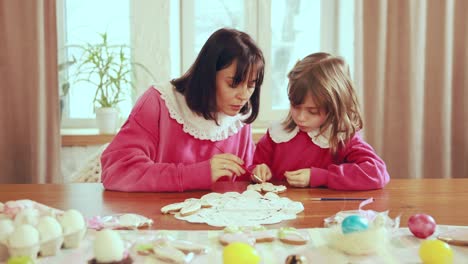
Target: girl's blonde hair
[[327, 79]]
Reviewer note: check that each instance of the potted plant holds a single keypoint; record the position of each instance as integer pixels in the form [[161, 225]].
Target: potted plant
[[109, 69]]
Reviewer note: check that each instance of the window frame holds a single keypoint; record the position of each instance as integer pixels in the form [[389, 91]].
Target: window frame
[[66, 121], [257, 24]]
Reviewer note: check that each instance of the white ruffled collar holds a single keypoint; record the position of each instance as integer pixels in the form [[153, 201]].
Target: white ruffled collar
[[279, 135], [196, 125]]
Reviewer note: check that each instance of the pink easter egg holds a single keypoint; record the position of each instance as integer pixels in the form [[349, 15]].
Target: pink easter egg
[[422, 225]]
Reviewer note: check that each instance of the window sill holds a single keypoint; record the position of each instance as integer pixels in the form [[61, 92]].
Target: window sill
[[90, 136], [83, 137]]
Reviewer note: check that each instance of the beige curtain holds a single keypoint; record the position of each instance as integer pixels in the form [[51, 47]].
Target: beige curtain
[[29, 115], [412, 59]]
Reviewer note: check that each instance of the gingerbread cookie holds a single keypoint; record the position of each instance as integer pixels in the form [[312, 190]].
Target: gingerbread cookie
[[172, 208], [190, 208], [169, 254], [292, 236], [188, 247], [248, 235]]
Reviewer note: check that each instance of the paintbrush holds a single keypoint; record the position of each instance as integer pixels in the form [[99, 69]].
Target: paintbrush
[[336, 199]]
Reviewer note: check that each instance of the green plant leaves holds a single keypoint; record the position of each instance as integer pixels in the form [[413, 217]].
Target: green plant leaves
[[108, 69]]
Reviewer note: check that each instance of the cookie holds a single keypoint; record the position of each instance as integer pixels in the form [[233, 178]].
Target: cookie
[[190, 208], [228, 238], [187, 246], [263, 236], [267, 187], [292, 236], [172, 208], [169, 254], [255, 187], [144, 249]]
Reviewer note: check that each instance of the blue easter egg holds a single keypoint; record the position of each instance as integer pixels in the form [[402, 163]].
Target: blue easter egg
[[354, 223]]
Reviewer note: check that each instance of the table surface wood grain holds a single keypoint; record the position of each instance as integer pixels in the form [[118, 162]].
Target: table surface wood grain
[[444, 199]]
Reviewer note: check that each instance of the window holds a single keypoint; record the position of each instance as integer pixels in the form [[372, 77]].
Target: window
[[286, 31], [196, 28], [82, 22], [295, 34]]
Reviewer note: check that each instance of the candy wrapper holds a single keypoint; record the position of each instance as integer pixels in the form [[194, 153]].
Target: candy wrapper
[[11, 208], [370, 215], [119, 221], [361, 232]]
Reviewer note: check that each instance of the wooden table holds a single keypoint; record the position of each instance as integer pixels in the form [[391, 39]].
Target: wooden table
[[445, 199]]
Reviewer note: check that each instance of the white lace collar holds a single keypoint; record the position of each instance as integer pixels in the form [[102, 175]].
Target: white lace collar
[[196, 125], [279, 135]]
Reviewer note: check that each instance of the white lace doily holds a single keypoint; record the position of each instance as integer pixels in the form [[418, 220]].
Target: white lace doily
[[196, 125], [247, 209]]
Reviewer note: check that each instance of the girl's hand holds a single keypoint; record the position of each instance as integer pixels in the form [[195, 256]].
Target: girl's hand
[[299, 178], [225, 164], [263, 172]]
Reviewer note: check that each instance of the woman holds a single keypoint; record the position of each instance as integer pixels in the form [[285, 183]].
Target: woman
[[190, 133]]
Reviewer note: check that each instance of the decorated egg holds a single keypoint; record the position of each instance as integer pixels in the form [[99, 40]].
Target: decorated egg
[[422, 225], [296, 259], [435, 252], [354, 223], [238, 252], [108, 246]]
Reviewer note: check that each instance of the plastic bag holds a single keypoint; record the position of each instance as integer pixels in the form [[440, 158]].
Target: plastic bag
[[119, 221]]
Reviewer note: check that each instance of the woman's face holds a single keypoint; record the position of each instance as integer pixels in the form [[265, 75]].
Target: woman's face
[[229, 99], [307, 115]]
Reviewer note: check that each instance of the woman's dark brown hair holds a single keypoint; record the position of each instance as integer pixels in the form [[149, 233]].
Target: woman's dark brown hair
[[198, 84]]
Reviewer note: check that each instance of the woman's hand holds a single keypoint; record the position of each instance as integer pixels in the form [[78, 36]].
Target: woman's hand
[[299, 178], [225, 164], [263, 172]]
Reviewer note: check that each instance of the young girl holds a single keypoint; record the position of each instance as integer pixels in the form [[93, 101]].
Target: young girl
[[318, 144], [194, 130]]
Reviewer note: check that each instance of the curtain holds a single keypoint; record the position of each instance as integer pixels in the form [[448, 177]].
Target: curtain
[[148, 48], [29, 104], [412, 67]]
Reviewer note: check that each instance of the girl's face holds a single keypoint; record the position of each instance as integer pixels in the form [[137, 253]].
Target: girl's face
[[229, 99], [307, 115]]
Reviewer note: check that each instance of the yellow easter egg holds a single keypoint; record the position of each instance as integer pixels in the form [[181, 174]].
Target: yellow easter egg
[[238, 252], [435, 252]]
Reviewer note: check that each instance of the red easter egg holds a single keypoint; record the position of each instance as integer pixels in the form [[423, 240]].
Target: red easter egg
[[422, 225]]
